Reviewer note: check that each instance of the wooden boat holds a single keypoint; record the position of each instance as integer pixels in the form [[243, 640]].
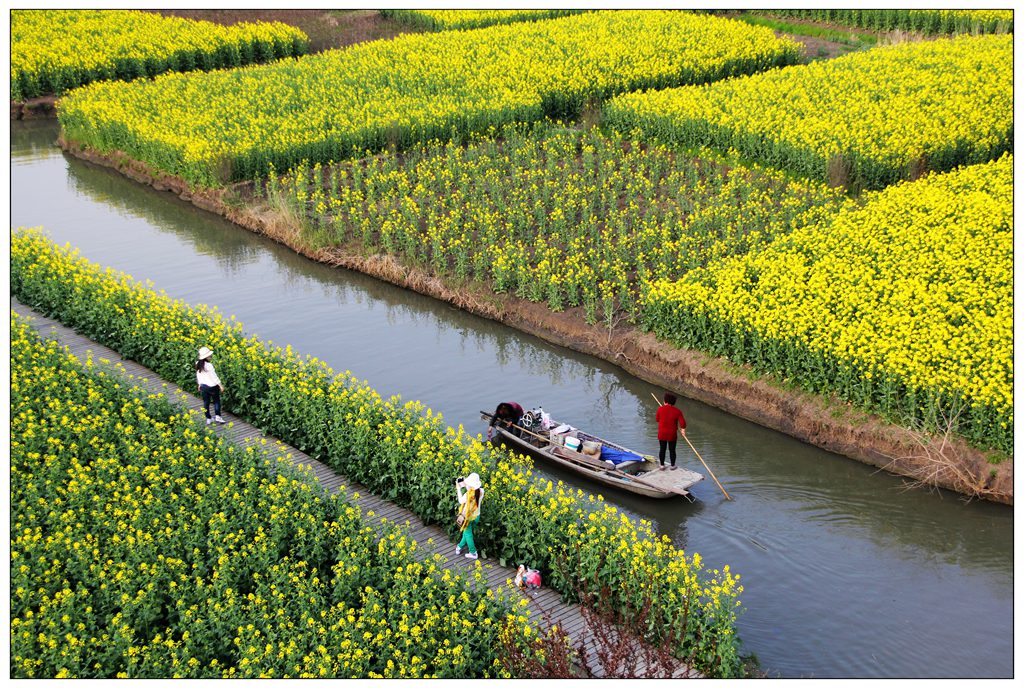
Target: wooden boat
[[577, 451]]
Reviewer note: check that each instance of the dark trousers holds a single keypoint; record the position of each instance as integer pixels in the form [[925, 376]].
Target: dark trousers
[[211, 394], [671, 444]]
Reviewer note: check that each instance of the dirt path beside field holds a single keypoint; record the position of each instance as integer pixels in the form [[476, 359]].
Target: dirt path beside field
[[327, 29], [826, 423]]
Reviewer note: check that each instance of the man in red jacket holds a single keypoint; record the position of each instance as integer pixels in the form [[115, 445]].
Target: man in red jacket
[[669, 418]]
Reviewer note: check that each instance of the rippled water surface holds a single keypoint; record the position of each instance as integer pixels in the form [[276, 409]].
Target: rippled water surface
[[846, 573]]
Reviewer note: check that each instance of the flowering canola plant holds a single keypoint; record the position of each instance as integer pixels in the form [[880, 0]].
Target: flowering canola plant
[[864, 120], [54, 51], [575, 218], [144, 547], [399, 450], [903, 304], [208, 128], [445, 20]]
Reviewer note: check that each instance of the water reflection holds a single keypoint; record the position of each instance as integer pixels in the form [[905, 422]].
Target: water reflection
[[201, 230], [36, 139]]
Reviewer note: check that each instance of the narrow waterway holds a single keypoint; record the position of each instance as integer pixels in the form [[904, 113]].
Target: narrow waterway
[[846, 574]]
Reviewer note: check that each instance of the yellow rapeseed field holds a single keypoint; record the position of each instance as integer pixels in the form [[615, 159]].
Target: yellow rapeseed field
[[552, 213], [903, 304], [233, 124], [53, 51], [145, 547], [864, 120]]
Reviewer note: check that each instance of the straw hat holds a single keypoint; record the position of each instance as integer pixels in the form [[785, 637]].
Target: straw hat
[[473, 481], [204, 353]]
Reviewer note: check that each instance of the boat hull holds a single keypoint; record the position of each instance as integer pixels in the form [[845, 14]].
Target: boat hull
[[645, 479]]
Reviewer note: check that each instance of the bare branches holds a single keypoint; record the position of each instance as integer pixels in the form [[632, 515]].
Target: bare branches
[[938, 462], [608, 646]]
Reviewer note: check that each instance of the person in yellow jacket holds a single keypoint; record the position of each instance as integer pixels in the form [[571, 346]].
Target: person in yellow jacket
[[471, 495]]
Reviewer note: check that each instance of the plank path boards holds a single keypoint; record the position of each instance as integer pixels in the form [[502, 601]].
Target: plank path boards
[[543, 603]]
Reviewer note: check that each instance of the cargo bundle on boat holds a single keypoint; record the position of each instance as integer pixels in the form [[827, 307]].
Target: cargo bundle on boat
[[593, 457]]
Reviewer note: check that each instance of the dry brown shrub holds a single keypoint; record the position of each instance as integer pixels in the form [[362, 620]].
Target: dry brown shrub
[[839, 171], [938, 461], [608, 646], [279, 220], [917, 168], [899, 36]]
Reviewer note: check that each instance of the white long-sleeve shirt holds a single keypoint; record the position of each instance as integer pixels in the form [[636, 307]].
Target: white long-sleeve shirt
[[207, 376]]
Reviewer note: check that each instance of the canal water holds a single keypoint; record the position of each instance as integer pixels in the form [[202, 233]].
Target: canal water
[[846, 573]]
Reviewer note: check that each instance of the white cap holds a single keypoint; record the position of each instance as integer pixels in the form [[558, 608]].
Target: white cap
[[473, 481], [204, 353]]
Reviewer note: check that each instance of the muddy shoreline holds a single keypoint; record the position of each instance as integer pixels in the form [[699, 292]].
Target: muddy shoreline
[[44, 107], [826, 423]]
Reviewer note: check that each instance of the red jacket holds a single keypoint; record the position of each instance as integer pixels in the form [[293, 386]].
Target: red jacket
[[668, 418]]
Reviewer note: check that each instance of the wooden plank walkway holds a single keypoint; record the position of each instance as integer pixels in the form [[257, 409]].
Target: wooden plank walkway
[[546, 606]]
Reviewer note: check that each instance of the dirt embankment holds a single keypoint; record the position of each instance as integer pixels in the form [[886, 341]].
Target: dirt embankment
[[35, 108], [827, 423]]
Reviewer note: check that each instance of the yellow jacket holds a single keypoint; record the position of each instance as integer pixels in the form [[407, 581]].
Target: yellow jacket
[[470, 505]]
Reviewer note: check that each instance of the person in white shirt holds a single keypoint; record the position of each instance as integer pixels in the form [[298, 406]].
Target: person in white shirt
[[210, 385]]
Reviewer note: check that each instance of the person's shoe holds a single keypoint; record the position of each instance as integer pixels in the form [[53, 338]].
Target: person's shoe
[[673, 468], [209, 420], [219, 419], [458, 550], [472, 555]]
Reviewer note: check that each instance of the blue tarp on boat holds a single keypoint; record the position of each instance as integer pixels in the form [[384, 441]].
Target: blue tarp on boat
[[617, 456]]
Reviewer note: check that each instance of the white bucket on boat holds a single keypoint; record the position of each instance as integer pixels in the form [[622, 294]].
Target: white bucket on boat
[[572, 443]]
